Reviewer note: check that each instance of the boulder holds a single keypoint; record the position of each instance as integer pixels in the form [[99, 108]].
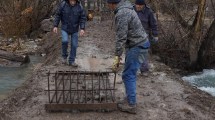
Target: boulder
[[47, 25]]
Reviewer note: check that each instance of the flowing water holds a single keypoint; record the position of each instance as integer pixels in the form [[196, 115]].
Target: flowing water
[[13, 77], [204, 80]]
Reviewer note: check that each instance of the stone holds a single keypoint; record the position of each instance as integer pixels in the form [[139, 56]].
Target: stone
[[93, 56], [119, 82], [184, 96], [146, 94], [23, 99], [102, 96], [106, 57], [43, 54], [145, 74], [47, 25], [162, 105]]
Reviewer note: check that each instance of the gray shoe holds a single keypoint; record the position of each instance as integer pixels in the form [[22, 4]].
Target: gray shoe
[[73, 64], [125, 107], [122, 101], [63, 60]]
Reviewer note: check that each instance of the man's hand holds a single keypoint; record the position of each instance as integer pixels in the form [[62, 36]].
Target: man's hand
[[116, 63], [154, 40], [82, 33], [55, 30]]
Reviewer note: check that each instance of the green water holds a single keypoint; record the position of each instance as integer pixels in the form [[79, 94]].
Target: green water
[[13, 77]]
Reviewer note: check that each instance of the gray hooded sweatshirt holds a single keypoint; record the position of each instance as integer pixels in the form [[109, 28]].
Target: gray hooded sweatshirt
[[129, 30]]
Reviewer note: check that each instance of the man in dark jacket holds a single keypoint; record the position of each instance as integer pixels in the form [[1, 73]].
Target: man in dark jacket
[[131, 35], [149, 23], [72, 17]]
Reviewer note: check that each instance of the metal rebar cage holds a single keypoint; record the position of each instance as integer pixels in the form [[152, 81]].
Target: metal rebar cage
[[81, 90]]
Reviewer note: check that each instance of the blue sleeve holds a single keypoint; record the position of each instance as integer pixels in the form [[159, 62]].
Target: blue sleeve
[[58, 14], [83, 19], [153, 23]]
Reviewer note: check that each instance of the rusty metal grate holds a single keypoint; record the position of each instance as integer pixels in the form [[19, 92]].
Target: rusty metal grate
[[81, 90]]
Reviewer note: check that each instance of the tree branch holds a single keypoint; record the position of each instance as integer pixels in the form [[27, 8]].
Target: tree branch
[[175, 13]]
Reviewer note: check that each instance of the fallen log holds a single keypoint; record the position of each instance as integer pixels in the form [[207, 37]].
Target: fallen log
[[14, 57]]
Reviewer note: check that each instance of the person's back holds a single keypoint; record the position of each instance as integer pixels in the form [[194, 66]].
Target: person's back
[[129, 28]]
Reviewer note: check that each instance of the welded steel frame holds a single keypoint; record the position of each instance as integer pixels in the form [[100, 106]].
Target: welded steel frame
[[77, 90]]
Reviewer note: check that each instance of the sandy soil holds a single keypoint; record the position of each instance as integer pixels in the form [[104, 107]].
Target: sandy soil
[[161, 93]]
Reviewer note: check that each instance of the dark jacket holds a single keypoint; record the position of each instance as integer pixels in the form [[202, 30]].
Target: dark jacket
[[71, 17], [148, 21], [129, 31]]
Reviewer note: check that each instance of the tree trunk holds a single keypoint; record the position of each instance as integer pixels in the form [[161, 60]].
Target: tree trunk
[[206, 55], [194, 31], [14, 57], [88, 4], [196, 34]]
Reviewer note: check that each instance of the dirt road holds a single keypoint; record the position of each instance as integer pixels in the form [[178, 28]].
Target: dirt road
[[161, 94]]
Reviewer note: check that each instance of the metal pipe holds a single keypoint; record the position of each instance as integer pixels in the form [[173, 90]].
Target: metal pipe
[[85, 88], [49, 87], [63, 88], [56, 87], [92, 91], [99, 89]]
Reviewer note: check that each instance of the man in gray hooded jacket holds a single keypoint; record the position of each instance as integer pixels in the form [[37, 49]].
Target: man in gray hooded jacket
[[131, 35]]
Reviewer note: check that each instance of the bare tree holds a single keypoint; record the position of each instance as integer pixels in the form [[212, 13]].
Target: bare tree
[[190, 32], [22, 16]]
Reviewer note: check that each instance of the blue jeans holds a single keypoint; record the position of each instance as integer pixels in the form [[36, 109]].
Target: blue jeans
[[145, 65], [74, 45], [132, 64]]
